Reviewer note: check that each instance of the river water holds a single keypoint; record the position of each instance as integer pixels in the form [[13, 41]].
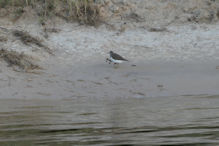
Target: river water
[[176, 120]]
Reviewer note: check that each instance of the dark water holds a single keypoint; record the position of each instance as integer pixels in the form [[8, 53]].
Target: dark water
[[182, 120]]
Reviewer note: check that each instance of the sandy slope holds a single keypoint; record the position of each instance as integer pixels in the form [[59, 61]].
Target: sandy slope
[[177, 43], [175, 59], [79, 68]]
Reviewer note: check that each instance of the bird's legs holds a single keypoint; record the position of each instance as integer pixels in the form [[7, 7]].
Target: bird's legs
[[107, 59], [110, 61]]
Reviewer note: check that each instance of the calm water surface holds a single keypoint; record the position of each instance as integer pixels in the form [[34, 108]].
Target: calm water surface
[[125, 121]]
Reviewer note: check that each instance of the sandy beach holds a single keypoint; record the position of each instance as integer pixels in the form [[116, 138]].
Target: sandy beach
[[182, 60]]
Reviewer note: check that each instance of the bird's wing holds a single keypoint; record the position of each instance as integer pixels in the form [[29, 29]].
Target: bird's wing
[[118, 57]]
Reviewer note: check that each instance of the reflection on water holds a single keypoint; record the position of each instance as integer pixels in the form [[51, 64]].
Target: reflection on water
[[88, 121]]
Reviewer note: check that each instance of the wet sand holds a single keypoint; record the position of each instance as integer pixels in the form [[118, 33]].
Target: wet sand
[[101, 80]]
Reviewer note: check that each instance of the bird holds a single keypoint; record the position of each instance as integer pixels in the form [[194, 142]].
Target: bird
[[115, 58]]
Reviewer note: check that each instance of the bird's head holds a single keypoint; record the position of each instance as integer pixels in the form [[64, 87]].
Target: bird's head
[[110, 52]]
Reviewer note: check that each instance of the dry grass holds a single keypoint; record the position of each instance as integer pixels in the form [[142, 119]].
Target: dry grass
[[3, 39], [84, 11], [20, 60], [27, 39], [153, 29]]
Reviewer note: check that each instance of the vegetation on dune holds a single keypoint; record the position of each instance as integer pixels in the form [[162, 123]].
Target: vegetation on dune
[[84, 11], [20, 60], [27, 39]]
